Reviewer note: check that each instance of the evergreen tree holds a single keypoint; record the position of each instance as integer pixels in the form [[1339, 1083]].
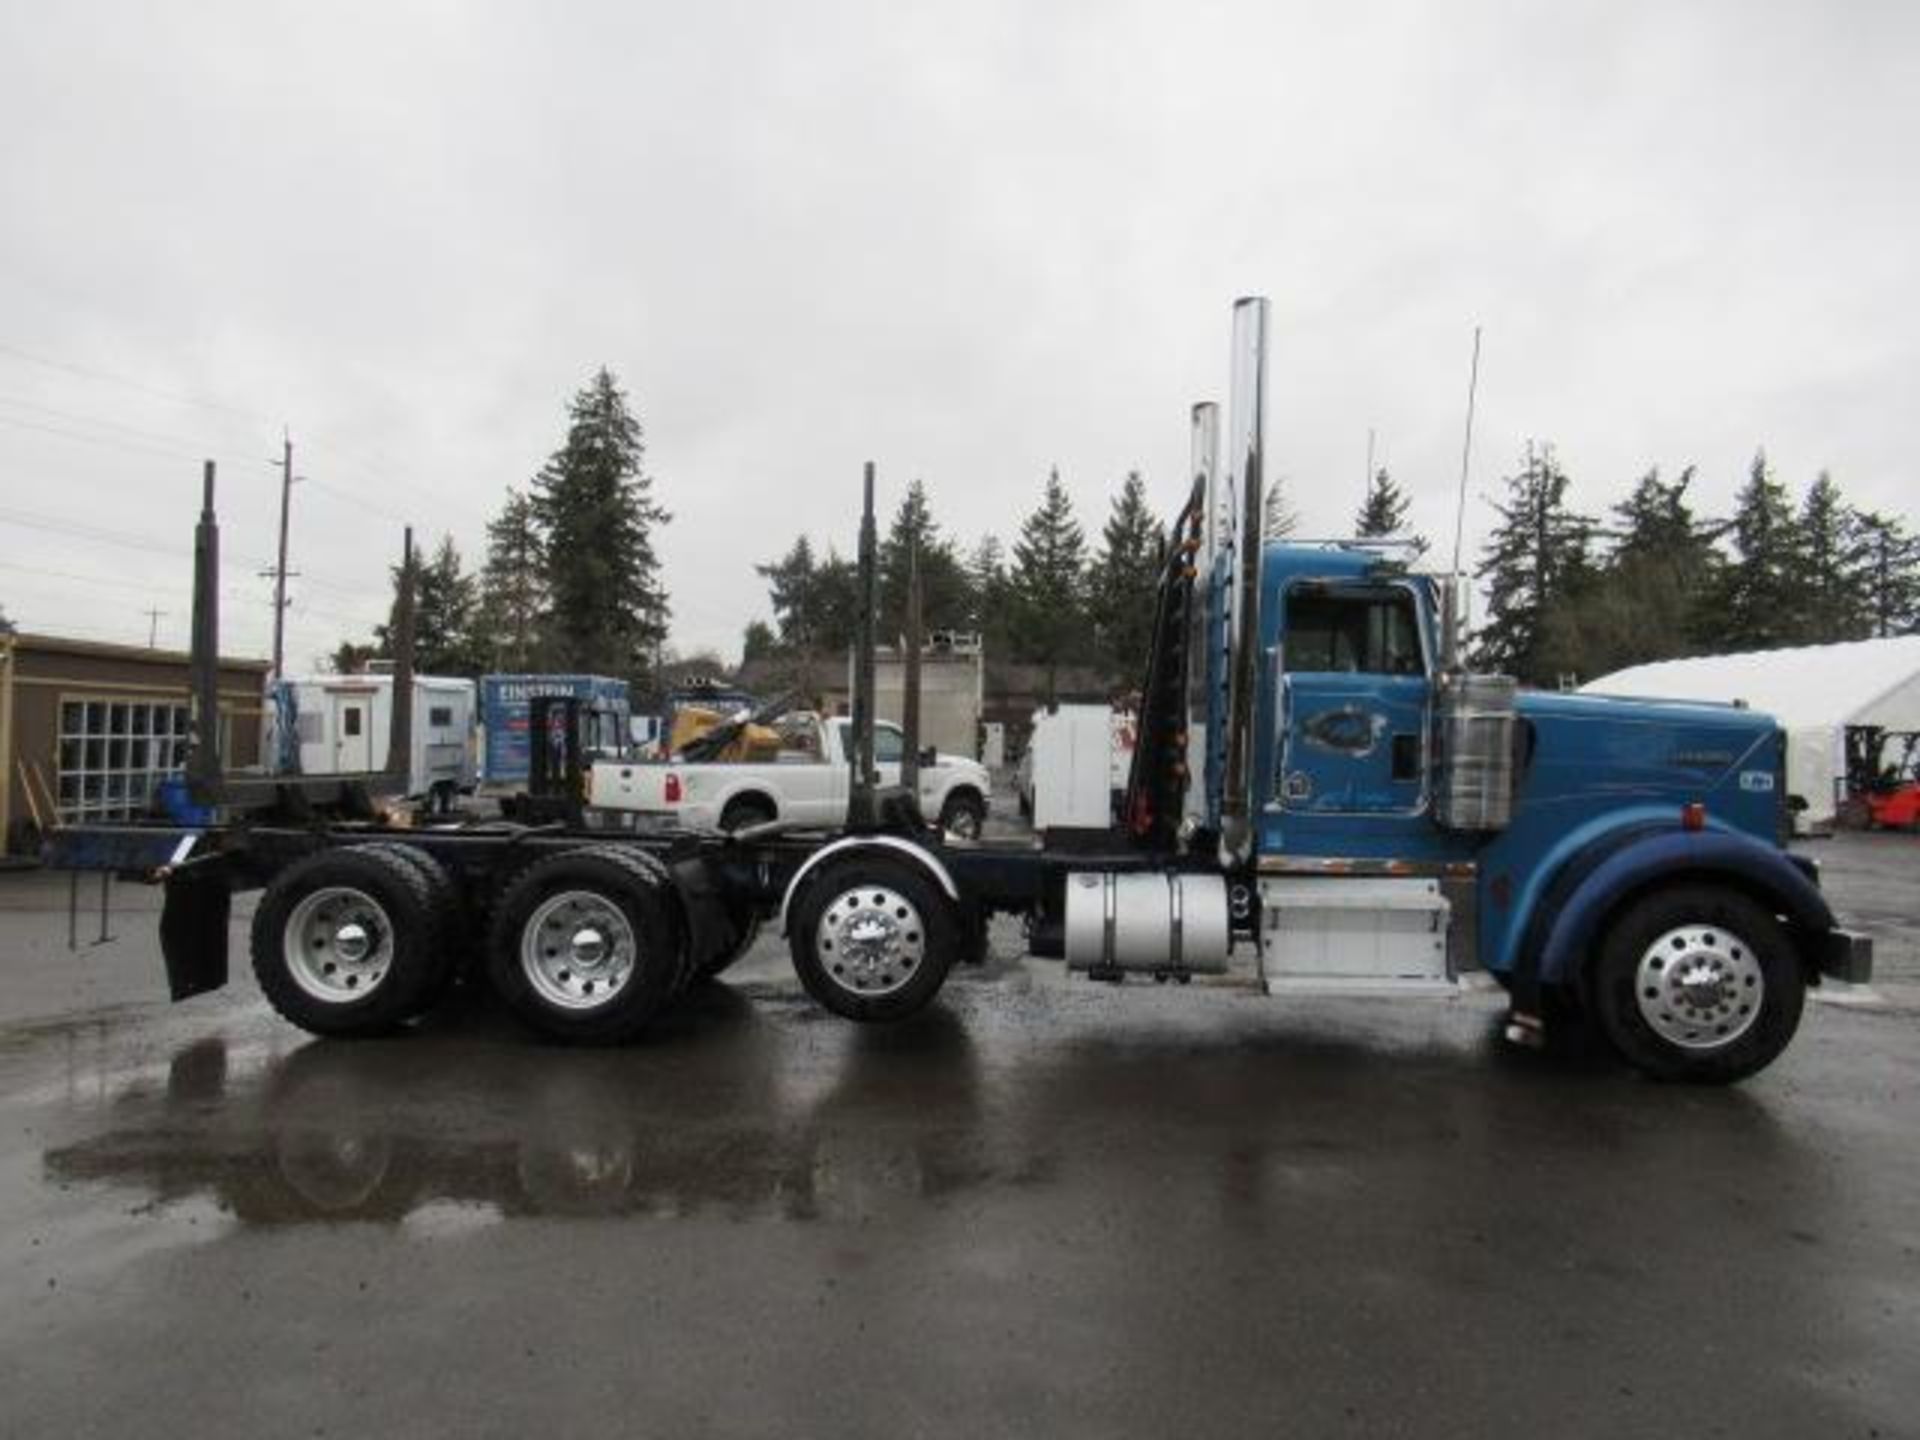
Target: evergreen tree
[[1277, 518], [1890, 571], [1761, 594], [596, 510], [513, 588], [793, 589], [7, 627], [943, 583], [837, 603], [1831, 570], [1049, 564], [989, 594], [1650, 601], [758, 642], [1124, 581], [1536, 561], [445, 615], [1384, 510]]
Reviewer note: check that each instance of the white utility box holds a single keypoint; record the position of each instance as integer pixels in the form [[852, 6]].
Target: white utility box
[[1072, 768], [1351, 933]]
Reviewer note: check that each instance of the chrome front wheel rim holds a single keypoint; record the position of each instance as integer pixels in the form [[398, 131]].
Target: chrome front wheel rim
[[870, 941], [1699, 986], [577, 950], [338, 944]]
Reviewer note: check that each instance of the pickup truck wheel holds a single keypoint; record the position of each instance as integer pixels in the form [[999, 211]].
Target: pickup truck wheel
[[347, 942], [873, 938], [963, 815], [744, 812], [585, 947], [1698, 983]]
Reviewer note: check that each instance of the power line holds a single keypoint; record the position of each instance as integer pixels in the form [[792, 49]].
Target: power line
[[107, 377]]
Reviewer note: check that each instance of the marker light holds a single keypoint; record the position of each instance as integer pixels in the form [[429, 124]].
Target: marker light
[[1693, 816], [672, 790]]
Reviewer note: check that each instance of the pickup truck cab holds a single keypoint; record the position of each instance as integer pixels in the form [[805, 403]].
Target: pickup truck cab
[[806, 783]]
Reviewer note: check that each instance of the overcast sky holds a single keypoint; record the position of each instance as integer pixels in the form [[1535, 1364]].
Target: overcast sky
[[970, 241]]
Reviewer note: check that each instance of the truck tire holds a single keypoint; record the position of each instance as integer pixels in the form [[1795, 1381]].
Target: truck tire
[[347, 942], [873, 937], [1697, 983], [450, 920], [744, 811], [585, 945], [964, 814]]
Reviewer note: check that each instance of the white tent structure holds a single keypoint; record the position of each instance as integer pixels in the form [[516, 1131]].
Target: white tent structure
[[1816, 692]]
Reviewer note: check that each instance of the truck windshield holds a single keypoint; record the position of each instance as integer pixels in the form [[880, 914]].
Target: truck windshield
[[1351, 631]]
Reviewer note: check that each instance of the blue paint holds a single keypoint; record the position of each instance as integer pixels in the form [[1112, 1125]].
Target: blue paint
[[505, 708], [1598, 804]]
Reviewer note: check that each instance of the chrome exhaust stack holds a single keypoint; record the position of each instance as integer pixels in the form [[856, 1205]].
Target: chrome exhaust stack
[[1244, 488], [1206, 647]]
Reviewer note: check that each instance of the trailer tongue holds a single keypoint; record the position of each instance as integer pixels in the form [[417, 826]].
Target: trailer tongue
[[1321, 798]]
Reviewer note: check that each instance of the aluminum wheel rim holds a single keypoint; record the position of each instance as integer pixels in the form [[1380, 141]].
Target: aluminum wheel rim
[[1699, 986], [338, 944], [870, 941], [577, 950], [965, 824]]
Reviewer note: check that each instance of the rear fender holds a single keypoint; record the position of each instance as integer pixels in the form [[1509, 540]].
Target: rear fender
[[894, 844], [1768, 875]]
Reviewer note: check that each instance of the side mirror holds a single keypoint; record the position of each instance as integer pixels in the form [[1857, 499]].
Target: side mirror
[[929, 757]]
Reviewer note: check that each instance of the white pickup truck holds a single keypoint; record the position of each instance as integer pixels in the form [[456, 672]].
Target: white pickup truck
[[806, 783]]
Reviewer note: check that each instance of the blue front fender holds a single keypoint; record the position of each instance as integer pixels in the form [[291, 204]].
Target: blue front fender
[[1767, 874]]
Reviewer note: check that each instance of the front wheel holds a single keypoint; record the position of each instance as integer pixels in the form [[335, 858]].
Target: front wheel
[[1698, 983], [873, 938]]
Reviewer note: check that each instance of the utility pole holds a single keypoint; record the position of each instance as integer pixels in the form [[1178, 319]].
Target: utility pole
[[279, 571], [153, 626]]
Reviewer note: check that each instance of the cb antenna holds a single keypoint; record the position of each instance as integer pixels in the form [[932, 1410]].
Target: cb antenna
[[1466, 451]]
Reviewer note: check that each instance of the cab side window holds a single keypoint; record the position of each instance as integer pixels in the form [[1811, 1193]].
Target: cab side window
[[1351, 632], [887, 745]]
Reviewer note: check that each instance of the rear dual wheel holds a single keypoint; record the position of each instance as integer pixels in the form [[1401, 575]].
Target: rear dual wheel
[[586, 945], [353, 941]]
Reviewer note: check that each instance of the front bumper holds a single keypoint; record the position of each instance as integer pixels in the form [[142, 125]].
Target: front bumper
[[1844, 955]]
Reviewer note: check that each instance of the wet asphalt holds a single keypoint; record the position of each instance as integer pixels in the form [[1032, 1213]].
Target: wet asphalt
[[1044, 1208]]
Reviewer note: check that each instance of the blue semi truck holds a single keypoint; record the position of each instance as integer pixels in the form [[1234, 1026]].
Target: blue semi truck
[[1323, 798]]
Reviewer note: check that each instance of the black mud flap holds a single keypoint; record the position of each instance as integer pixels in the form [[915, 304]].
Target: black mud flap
[[193, 935]]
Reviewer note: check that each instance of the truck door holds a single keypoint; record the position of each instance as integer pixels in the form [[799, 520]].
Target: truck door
[[1353, 700], [352, 735]]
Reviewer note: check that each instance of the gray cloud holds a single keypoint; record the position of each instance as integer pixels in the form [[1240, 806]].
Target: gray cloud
[[970, 241]]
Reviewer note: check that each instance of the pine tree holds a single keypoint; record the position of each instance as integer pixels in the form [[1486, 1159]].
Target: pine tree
[[1277, 518], [1383, 513], [793, 591], [1651, 599], [1384, 510], [1832, 574], [758, 642], [1761, 594], [1890, 573], [596, 510], [943, 583], [1124, 580], [7, 627], [513, 588], [1536, 560], [445, 615], [1049, 564], [989, 594]]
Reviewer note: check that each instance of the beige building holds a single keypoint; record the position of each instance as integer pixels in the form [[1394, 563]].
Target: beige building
[[87, 731]]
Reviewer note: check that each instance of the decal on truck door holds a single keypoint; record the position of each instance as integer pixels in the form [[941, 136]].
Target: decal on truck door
[[1356, 700]]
